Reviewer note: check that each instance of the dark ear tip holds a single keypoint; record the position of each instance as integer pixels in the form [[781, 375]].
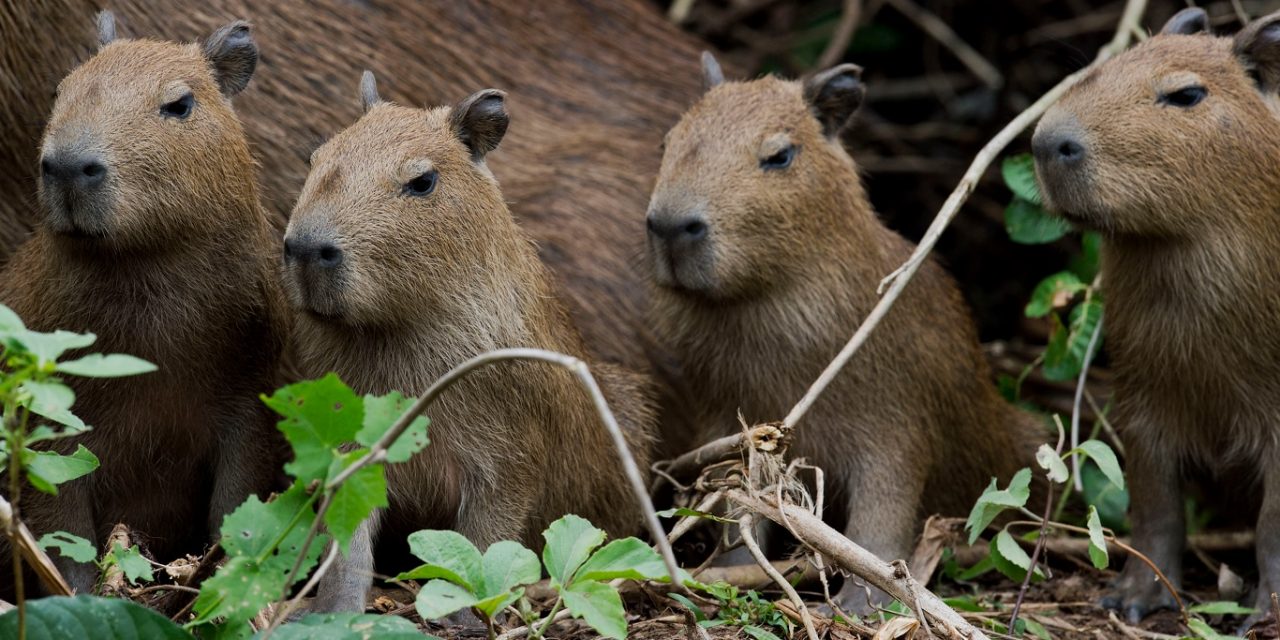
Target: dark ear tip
[[1189, 21]]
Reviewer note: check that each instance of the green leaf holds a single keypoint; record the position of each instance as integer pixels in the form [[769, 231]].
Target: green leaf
[[993, 501], [380, 413], [964, 603], [625, 558], [1027, 223], [1102, 455], [349, 626], [1036, 629], [1203, 631], [448, 555], [685, 512], [1065, 354], [493, 604], [319, 416], [983, 566], [698, 614], [90, 618], [1020, 176], [357, 497], [758, 633], [1049, 460], [570, 541], [113, 365], [46, 469], [1111, 501], [1097, 540], [599, 605], [1011, 559], [1221, 608], [439, 598], [1052, 293], [53, 400], [132, 564], [507, 565], [69, 546], [1086, 263], [9, 321], [47, 347]]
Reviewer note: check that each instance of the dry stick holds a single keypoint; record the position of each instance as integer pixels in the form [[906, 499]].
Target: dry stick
[[899, 278], [763, 437], [936, 27], [822, 538], [24, 542], [1035, 556], [745, 524], [843, 34], [686, 523]]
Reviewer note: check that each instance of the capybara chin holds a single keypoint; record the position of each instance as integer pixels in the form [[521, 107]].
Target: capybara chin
[[403, 261], [152, 238], [766, 255], [1172, 151]]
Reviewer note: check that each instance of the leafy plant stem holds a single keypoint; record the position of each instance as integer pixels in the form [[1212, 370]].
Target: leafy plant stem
[[546, 622], [1035, 557], [14, 433]]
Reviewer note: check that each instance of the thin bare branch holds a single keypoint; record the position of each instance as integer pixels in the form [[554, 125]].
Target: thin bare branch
[[936, 27], [745, 525], [843, 34]]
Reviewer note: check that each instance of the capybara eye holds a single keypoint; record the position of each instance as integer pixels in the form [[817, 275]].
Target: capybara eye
[[180, 108], [1185, 97], [423, 184], [779, 160]]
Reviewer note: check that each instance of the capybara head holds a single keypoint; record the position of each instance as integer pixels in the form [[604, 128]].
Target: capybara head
[[1182, 124], [747, 180], [393, 216], [142, 136]]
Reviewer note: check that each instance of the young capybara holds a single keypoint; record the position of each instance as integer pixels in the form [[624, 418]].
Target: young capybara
[[153, 238], [403, 261], [766, 254], [1172, 151]]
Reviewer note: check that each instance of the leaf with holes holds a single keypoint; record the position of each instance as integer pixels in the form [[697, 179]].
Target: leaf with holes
[[319, 416], [357, 497], [1054, 292], [69, 546], [380, 413]]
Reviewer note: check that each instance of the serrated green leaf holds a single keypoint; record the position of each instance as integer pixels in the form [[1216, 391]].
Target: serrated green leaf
[[1048, 459], [46, 469], [439, 598], [1102, 455], [319, 416], [448, 555], [1010, 558], [69, 546], [131, 563], [1097, 540], [625, 558], [380, 413], [90, 618], [1019, 174], [111, 365], [47, 347], [1222, 608], [599, 605], [1027, 223], [348, 626], [1053, 292], [570, 541], [994, 500], [507, 565], [355, 500], [53, 400]]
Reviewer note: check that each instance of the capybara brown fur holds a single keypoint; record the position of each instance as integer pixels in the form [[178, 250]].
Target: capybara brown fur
[[1172, 151], [766, 255], [592, 77], [153, 239], [403, 261]]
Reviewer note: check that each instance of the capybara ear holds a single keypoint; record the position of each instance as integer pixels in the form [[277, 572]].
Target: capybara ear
[[368, 91], [106, 28], [233, 54], [1187, 22], [1258, 47], [480, 121], [834, 96], [712, 75]]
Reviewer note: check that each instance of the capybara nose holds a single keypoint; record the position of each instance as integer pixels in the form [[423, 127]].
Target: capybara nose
[[1057, 146], [681, 229], [80, 171], [310, 251]]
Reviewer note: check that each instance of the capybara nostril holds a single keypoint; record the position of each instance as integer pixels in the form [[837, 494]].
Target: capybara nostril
[[676, 228], [330, 256], [309, 250], [1058, 145], [73, 170]]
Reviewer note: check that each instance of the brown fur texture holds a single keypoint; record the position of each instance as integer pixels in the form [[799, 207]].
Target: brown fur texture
[[758, 301], [171, 261], [591, 80], [395, 288], [1187, 197]]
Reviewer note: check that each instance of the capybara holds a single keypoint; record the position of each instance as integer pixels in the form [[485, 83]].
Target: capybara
[[593, 79], [766, 255], [1172, 151], [152, 238], [402, 261]]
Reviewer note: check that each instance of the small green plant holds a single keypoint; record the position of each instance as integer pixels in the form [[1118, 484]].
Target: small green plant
[[130, 561], [758, 617], [460, 577]]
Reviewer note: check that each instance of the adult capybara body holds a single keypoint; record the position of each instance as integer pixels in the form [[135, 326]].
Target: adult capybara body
[[403, 262], [152, 238], [1172, 151], [591, 79], [767, 254]]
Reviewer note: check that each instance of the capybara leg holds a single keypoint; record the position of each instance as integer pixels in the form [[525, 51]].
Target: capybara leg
[[346, 586]]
